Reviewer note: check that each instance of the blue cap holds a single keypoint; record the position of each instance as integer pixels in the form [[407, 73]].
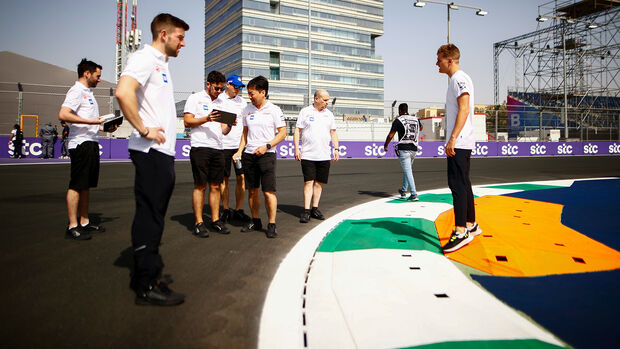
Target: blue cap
[[235, 80]]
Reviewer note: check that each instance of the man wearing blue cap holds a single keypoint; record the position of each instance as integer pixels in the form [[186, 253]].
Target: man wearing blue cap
[[234, 103]]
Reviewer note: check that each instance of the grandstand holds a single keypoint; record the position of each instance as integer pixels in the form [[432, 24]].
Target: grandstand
[[566, 72]]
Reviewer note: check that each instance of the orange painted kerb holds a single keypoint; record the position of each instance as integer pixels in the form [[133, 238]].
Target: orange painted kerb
[[524, 237]]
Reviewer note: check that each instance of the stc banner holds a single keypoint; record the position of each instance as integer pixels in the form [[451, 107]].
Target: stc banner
[[117, 149]]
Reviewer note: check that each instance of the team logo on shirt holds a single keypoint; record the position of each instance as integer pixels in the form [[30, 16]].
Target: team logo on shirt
[[311, 118], [205, 107], [461, 84], [90, 100], [251, 116], [163, 75]]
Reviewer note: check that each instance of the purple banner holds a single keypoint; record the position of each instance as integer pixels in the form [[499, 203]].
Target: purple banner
[[117, 149]]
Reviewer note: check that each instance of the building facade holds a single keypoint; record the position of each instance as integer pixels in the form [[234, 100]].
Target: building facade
[[272, 38]]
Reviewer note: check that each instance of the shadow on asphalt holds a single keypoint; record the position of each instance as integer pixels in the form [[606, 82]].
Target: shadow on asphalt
[[379, 194], [293, 210]]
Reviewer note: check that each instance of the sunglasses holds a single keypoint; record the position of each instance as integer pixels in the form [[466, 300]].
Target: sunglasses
[[238, 87], [219, 89]]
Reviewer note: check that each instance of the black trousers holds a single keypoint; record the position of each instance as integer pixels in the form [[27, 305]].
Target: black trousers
[[460, 185], [153, 187], [17, 149]]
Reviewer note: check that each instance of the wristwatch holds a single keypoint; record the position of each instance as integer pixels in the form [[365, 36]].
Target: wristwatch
[[268, 146]]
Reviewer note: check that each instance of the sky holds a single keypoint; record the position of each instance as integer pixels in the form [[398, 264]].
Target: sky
[[61, 32]]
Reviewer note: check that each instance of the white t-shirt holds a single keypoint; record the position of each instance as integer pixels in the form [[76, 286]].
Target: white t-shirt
[[316, 129], [81, 101], [262, 125], [155, 99], [209, 134], [460, 83], [233, 105]]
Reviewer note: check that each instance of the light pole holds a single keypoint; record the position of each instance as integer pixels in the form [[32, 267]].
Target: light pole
[[450, 6]]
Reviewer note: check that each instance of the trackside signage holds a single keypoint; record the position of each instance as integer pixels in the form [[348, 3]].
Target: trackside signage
[[117, 149]]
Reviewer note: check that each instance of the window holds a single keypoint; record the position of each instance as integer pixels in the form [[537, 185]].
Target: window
[[274, 6], [274, 73], [274, 59]]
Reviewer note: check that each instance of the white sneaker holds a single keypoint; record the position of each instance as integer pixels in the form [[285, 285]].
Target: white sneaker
[[475, 230]]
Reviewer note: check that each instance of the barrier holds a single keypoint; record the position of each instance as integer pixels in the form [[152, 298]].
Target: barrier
[[117, 149]]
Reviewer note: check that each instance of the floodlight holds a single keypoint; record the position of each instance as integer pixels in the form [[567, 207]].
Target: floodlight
[[592, 25], [541, 18], [453, 6], [481, 12], [570, 20], [419, 4]]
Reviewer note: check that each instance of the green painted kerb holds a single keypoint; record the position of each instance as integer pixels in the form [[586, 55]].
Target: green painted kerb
[[442, 198], [495, 344], [525, 186], [394, 233]]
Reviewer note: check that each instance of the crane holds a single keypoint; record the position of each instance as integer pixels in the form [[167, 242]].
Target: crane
[[127, 41]]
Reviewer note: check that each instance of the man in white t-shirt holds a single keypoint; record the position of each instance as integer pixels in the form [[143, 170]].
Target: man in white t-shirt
[[146, 96], [317, 127], [234, 103], [459, 145], [81, 110], [206, 154], [263, 129]]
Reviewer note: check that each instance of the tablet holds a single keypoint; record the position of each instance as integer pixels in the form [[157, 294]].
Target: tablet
[[226, 117], [109, 124]]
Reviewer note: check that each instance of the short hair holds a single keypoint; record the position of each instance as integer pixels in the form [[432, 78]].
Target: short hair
[[16, 126], [165, 21], [319, 91], [403, 109], [215, 77], [86, 65], [259, 83], [449, 51]]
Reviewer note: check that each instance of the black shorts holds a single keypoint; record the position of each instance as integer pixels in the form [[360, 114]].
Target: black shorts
[[260, 170], [207, 165], [228, 153], [315, 170], [84, 166]]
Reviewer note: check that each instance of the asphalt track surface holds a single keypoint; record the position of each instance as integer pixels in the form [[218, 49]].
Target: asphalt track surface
[[59, 292]]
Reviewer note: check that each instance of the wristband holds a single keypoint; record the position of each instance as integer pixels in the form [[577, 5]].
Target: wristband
[[145, 133]]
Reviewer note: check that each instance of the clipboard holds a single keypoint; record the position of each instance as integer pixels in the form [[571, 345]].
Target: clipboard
[[109, 124], [226, 117]]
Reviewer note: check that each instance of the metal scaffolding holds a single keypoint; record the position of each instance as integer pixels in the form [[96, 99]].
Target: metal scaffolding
[[572, 62]]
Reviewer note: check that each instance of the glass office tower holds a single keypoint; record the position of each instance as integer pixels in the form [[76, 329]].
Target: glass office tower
[[271, 38]]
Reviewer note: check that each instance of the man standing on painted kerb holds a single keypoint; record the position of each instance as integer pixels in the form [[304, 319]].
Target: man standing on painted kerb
[[459, 145]]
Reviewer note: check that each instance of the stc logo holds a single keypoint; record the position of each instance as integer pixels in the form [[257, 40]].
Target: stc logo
[[419, 152], [590, 149], [480, 150], [286, 150], [35, 148], [441, 150], [565, 149], [538, 149], [509, 149], [614, 148], [374, 150]]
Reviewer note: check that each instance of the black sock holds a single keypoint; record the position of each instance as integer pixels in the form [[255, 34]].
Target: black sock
[[256, 220]]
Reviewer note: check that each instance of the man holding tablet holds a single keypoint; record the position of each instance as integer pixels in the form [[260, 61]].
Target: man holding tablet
[[206, 155]]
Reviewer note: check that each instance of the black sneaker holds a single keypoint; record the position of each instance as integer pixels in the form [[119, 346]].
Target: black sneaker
[[219, 227], [413, 197], [201, 231], [254, 225], [226, 215], [91, 228], [271, 231], [241, 216], [474, 230], [76, 233], [457, 241], [305, 217], [315, 213], [159, 294], [403, 194]]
